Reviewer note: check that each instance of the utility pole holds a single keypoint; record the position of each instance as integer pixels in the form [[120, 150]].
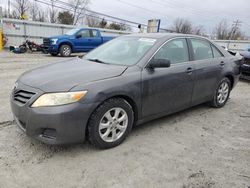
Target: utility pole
[[235, 27], [8, 8]]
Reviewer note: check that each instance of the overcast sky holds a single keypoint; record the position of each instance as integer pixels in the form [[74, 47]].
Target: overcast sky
[[207, 13]]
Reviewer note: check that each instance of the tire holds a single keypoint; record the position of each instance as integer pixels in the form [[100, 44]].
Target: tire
[[223, 89], [102, 136], [54, 54], [65, 50]]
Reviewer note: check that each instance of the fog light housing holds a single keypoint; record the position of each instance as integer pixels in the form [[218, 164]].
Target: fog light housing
[[49, 133]]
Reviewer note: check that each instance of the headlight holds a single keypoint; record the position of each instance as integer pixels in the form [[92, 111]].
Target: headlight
[[54, 99], [54, 41]]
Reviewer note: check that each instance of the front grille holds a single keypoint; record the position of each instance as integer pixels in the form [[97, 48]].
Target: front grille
[[46, 41], [22, 96]]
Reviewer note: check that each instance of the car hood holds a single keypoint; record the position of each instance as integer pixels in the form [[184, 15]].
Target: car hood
[[63, 76], [61, 37], [245, 54]]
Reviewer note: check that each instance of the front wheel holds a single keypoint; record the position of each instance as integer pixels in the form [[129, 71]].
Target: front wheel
[[110, 123], [222, 93], [65, 50]]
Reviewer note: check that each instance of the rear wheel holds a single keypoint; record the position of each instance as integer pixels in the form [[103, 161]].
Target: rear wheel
[[110, 123], [222, 93], [65, 50]]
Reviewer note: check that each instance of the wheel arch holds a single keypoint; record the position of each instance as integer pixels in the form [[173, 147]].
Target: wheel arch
[[231, 78], [128, 99], [66, 43]]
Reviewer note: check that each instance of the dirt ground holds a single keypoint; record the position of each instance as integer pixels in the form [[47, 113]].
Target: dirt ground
[[199, 147]]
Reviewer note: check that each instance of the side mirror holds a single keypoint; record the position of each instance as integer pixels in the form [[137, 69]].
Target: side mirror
[[78, 36], [159, 63]]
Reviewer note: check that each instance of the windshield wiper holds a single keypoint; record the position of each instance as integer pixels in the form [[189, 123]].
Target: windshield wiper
[[98, 61]]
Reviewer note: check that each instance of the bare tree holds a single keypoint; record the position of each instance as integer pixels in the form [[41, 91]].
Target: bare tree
[[52, 12], [221, 30], [41, 16], [21, 7], [78, 8], [93, 21], [182, 26], [199, 30], [34, 11]]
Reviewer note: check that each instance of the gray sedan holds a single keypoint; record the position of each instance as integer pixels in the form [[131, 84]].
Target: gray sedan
[[125, 82]]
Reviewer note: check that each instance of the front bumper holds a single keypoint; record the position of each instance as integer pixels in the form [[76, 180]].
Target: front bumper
[[51, 48], [245, 69], [52, 125]]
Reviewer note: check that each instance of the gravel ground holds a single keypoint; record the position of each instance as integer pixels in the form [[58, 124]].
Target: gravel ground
[[199, 147]]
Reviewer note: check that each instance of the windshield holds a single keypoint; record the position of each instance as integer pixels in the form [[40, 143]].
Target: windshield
[[72, 31], [122, 50]]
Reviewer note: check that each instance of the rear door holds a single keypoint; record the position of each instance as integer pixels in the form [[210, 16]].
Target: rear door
[[209, 63], [165, 90], [96, 38]]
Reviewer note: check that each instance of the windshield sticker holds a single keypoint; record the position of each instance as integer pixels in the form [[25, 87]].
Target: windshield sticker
[[147, 40]]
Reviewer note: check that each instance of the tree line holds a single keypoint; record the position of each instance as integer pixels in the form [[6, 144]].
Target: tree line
[[221, 31], [75, 13]]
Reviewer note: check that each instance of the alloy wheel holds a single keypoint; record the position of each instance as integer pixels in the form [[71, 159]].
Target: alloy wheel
[[223, 92], [113, 124]]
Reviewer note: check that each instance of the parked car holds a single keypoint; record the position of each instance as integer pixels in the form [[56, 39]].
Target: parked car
[[245, 68], [76, 40], [125, 82]]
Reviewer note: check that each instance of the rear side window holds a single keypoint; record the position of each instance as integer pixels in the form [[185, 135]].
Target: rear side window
[[216, 52], [201, 49], [175, 50], [94, 33]]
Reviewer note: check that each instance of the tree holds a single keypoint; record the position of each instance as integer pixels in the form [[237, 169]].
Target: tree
[[52, 12], [78, 8], [182, 26], [103, 23], [20, 8], [34, 11], [199, 30], [119, 26], [93, 21], [65, 17], [221, 30], [41, 16]]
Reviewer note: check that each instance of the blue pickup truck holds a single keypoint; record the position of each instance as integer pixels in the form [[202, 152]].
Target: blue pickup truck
[[75, 40]]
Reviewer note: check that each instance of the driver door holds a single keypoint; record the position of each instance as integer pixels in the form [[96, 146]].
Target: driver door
[[83, 41], [166, 90]]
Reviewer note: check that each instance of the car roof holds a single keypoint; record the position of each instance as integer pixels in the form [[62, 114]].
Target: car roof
[[163, 35]]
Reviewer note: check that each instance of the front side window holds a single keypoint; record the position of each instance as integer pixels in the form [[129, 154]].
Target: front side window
[[216, 52], [84, 33], [175, 50], [201, 49]]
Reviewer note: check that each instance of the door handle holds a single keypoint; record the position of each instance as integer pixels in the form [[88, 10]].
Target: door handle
[[222, 63], [189, 70]]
